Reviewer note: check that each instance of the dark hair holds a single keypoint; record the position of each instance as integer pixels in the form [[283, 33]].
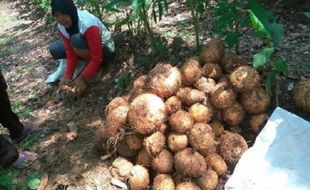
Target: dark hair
[[67, 7]]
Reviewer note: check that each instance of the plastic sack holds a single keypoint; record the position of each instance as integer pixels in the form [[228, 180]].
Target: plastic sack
[[279, 158]]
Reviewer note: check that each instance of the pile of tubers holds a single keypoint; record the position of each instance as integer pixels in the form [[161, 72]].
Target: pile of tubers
[[173, 129], [301, 95]]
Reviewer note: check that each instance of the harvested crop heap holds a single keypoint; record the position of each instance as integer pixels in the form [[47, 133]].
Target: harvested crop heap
[[301, 95], [172, 130]]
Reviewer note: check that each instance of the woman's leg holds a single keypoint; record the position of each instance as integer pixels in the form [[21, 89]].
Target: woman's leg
[[80, 46], [81, 49], [58, 50], [8, 118], [8, 153], [108, 55]]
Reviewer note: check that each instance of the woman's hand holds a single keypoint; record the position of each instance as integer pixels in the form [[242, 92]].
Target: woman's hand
[[79, 86], [65, 84]]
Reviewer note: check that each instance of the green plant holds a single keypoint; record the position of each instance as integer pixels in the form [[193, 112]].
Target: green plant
[[237, 14], [122, 81], [307, 14], [44, 4], [5, 19], [5, 52], [269, 30], [94, 6], [265, 24], [40, 8], [7, 40], [144, 11], [231, 16], [33, 181], [7, 179], [20, 110], [197, 8], [169, 34], [234, 15], [28, 143]]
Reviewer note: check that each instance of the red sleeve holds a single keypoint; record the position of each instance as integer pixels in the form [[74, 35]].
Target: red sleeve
[[72, 58], [93, 38]]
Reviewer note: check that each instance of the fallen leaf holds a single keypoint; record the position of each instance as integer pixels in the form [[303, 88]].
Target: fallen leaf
[[71, 135], [44, 180]]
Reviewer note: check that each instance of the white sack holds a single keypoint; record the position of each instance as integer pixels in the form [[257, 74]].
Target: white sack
[[279, 158]]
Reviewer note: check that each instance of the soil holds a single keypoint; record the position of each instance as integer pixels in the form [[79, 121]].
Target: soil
[[26, 63]]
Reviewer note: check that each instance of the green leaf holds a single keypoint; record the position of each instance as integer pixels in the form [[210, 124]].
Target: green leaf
[[222, 8], [44, 5], [304, 48], [33, 181], [148, 4], [165, 4], [306, 64], [112, 3], [264, 22], [244, 21], [277, 33], [280, 66], [307, 14], [137, 5], [122, 81], [232, 38], [200, 8], [300, 67], [122, 22], [224, 23], [262, 57], [154, 15], [34, 184], [270, 81], [160, 9], [259, 26], [6, 182]]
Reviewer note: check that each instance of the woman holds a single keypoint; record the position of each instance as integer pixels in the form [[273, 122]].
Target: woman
[[83, 37], [9, 155]]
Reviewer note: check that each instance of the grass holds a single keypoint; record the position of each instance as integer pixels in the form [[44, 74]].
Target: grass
[[5, 53], [303, 48], [29, 142], [20, 110], [9, 181], [122, 81], [4, 20], [7, 40], [2, 67], [12, 179], [184, 31], [169, 34]]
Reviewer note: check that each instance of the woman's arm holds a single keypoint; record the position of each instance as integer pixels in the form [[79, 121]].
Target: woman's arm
[[72, 58], [93, 38]]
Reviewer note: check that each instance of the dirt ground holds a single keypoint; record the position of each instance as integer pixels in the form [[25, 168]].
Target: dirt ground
[[26, 64]]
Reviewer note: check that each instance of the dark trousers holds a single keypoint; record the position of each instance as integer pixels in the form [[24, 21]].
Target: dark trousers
[[58, 51], [9, 120], [8, 152]]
